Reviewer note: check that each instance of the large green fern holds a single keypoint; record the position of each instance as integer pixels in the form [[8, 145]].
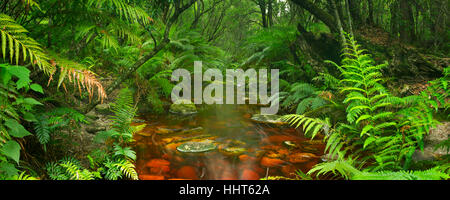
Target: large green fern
[[345, 169], [379, 126], [20, 47], [311, 126], [118, 159]]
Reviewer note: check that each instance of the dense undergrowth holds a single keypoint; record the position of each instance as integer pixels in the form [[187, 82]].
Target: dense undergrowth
[[59, 59], [380, 132]]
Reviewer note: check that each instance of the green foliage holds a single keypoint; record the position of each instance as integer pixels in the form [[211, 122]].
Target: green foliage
[[342, 168], [17, 44], [346, 170], [305, 96], [189, 46], [69, 169], [56, 122], [431, 174], [17, 108], [269, 45], [438, 92], [117, 161], [124, 112], [359, 117], [311, 126], [123, 9], [379, 126]]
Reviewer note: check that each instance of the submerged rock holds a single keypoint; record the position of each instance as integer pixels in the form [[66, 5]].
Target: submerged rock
[[245, 158], [183, 107], [137, 120], [92, 115], [437, 135], [163, 131], [95, 128], [193, 130], [301, 157], [289, 171], [233, 151], [158, 166], [233, 148], [157, 163], [248, 174], [271, 162], [268, 119], [187, 172], [289, 144], [228, 175], [103, 109], [197, 147], [150, 177]]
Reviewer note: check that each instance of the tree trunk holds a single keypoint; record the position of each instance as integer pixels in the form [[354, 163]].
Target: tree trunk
[[323, 16], [407, 32], [270, 13], [354, 8], [341, 12], [338, 21], [49, 32], [370, 17], [394, 20], [439, 17], [262, 7], [350, 20]]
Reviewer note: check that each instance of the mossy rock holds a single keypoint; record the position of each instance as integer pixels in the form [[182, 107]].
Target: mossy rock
[[233, 148], [233, 151], [183, 107], [290, 144], [103, 109], [268, 119], [197, 147]]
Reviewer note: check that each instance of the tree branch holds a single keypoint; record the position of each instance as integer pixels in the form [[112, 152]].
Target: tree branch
[[323, 16]]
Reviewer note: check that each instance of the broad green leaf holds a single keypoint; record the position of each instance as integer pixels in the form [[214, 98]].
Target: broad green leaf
[[11, 149], [29, 117], [5, 76], [16, 129], [8, 169], [22, 73], [31, 101], [37, 88]]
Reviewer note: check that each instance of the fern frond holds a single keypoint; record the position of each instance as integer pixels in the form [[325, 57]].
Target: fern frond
[[16, 44], [124, 10], [82, 78], [311, 126], [127, 169]]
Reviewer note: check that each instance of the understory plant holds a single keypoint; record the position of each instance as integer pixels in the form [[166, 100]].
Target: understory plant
[[114, 162], [117, 160], [380, 131], [17, 107]]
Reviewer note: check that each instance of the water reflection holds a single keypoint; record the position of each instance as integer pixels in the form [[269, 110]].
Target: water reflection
[[243, 149]]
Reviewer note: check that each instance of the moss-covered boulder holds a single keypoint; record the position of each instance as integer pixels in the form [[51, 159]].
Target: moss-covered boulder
[[103, 109], [183, 107], [268, 119], [197, 147]]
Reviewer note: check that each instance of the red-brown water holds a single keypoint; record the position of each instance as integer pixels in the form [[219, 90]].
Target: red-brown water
[[228, 126]]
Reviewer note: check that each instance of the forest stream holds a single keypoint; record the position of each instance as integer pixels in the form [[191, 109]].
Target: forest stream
[[230, 145]]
